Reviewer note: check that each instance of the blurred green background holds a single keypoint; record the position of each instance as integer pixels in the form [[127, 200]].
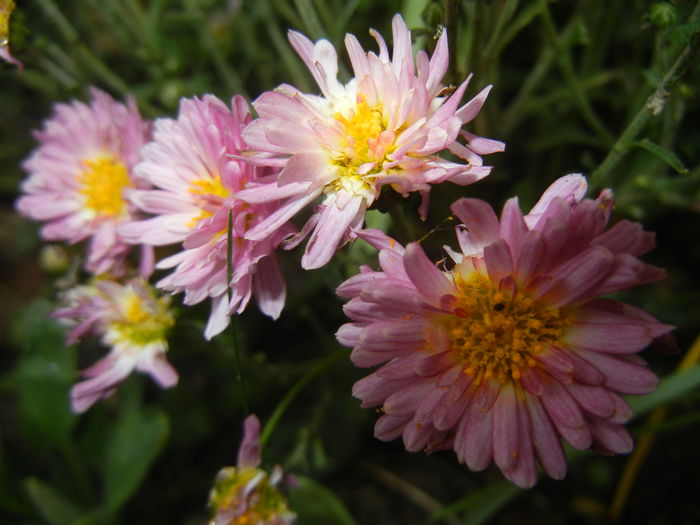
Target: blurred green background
[[569, 78]]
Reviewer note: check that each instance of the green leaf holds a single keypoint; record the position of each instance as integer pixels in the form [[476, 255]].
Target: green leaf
[[53, 506], [137, 439], [316, 505], [670, 388], [480, 506], [664, 154], [43, 376]]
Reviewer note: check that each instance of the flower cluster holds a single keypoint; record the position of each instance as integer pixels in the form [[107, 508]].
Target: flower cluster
[[512, 347], [499, 355]]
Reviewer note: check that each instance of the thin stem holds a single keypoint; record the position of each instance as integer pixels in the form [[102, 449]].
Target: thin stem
[[237, 364], [653, 106], [515, 111], [54, 14], [231, 78], [567, 67], [234, 328], [294, 391]]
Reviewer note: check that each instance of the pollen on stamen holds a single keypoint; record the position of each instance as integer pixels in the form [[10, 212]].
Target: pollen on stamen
[[502, 333]]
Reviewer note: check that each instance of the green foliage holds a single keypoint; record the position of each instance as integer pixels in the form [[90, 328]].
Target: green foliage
[[136, 441], [316, 505]]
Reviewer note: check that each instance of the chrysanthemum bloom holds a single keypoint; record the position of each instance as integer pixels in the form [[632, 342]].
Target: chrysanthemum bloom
[[130, 319], [384, 127], [512, 348], [192, 167], [79, 175], [246, 494], [6, 8]]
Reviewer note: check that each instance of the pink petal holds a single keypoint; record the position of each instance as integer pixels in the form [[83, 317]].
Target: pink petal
[[430, 282], [506, 444], [332, 227]]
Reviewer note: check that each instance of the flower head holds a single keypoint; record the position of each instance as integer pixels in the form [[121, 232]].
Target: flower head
[[80, 173], [131, 320], [6, 8], [384, 127], [190, 163], [511, 348], [246, 494]]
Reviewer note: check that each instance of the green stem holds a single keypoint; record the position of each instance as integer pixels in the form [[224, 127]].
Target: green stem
[[234, 328], [517, 108], [233, 81], [294, 391], [237, 364], [54, 14], [567, 67], [308, 14], [654, 105]]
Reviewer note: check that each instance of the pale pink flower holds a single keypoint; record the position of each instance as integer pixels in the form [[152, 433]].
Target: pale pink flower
[[132, 321], [79, 174], [384, 127], [6, 8], [245, 493], [512, 348], [191, 164]]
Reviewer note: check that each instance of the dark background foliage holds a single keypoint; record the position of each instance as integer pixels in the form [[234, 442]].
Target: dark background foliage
[[569, 78]]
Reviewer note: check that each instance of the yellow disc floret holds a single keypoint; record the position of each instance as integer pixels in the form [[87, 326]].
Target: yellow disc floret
[[261, 504], [142, 320], [6, 8], [496, 334], [362, 130], [208, 194], [102, 185]]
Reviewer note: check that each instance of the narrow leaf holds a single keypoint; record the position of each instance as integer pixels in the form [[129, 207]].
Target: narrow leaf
[[670, 388], [664, 154], [478, 507]]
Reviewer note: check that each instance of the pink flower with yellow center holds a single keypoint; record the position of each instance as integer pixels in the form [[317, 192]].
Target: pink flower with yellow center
[[246, 494], [80, 173], [513, 348], [132, 321], [384, 127], [192, 166]]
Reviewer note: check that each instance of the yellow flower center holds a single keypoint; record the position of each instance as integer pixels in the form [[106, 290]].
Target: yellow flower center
[[6, 8], [366, 140], [208, 194], [264, 503], [496, 335], [362, 130], [143, 320], [103, 183]]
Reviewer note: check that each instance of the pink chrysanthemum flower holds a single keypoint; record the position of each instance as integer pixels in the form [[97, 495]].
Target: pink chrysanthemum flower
[[6, 8], [246, 494], [131, 320], [512, 348], [384, 127], [190, 162], [80, 173]]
